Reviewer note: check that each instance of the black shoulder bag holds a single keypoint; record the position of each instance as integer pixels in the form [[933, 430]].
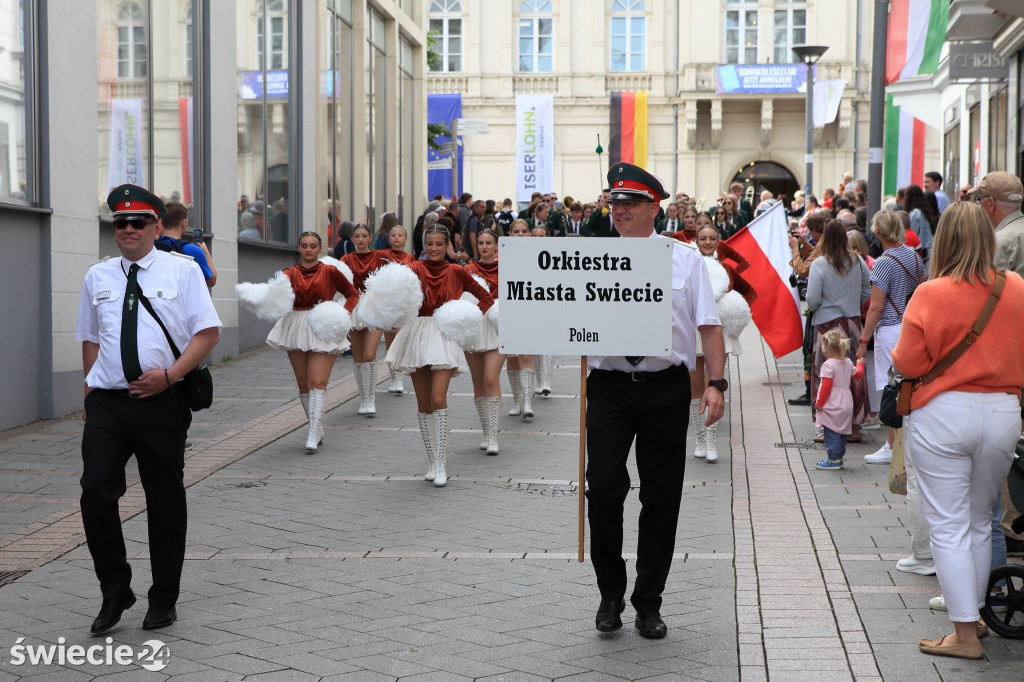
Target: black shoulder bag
[[198, 383]]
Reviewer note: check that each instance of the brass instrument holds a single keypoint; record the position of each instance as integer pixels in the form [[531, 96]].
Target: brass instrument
[[700, 202], [749, 194]]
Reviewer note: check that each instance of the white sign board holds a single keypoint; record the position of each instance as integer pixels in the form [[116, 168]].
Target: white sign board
[[565, 296], [472, 127], [440, 164], [535, 145]]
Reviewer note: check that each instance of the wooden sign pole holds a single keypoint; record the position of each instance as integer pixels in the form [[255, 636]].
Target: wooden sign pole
[[583, 453]]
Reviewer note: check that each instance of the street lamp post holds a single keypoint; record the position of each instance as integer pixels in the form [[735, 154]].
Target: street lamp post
[[809, 55]]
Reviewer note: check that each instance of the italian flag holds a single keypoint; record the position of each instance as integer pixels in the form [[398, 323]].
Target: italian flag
[[917, 30]]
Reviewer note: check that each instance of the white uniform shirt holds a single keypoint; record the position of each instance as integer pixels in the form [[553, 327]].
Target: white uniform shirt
[[177, 290], [693, 305]]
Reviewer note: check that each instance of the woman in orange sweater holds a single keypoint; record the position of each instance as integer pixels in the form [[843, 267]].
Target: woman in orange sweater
[[964, 424]]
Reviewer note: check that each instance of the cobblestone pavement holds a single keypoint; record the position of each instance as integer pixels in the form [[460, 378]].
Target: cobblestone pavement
[[347, 565]]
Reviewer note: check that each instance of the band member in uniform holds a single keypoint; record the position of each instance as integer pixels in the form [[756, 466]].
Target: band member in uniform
[[625, 401], [520, 368], [485, 360], [134, 403], [396, 254], [312, 358], [421, 350], [363, 261]]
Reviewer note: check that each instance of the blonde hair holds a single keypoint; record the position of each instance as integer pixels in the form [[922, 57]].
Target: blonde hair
[[888, 226], [964, 245], [834, 343], [858, 244]]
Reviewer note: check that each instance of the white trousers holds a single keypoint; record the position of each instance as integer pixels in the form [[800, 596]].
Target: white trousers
[[920, 535], [962, 445]]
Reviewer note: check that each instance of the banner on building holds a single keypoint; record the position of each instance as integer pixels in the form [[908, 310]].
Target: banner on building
[[827, 97], [535, 145], [442, 108], [125, 163], [748, 79], [185, 127], [628, 124]]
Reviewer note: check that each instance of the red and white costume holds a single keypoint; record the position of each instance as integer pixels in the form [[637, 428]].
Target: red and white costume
[[488, 330], [311, 286], [362, 266]]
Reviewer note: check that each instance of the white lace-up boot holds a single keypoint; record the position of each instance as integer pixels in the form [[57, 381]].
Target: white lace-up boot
[[711, 441], [304, 400], [481, 411], [397, 385], [517, 392], [443, 426], [360, 379], [526, 377], [370, 386], [428, 443], [699, 431], [317, 403], [548, 367], [493, 409]]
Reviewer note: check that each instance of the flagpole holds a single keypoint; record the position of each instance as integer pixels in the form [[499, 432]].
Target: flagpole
[[876, 133], [600, 169], [583, 455]]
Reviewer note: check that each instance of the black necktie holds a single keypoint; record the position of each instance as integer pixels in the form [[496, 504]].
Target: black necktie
[[634, 359], [130, 327]]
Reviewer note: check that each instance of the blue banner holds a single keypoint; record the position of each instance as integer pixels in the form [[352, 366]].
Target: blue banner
[[277, 84], [442, 109], [750, 79]]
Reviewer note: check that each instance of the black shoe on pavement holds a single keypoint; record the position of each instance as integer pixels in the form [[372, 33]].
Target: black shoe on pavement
[[805, 399], [608, 619], [159, 618], [650, 625], [110, 612], [1014, 547]]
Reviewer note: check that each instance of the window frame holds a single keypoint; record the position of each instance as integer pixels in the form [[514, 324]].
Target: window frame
[[534, 16], [629, 12], [788, 9], [743, 9], [35, 193], [451, 10], [131, 24]]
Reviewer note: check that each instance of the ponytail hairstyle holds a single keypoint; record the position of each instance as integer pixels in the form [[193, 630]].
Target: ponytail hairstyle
[[437, 229], [834, 344]]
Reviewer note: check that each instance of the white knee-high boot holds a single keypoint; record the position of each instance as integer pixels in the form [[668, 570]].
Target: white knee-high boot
[[443, 426], [304, 400], [538, 371], [517, 392], [397, 386], [699, 431], [370, 386], [526, 377], [317, 403], [360, 380], [711, 442], [549, 365], [428, 443], [482, 413], [493, 409]]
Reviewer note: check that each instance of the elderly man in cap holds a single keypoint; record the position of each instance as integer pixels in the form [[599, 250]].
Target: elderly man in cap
[[1000, 195], [626, 399], [134, 403]]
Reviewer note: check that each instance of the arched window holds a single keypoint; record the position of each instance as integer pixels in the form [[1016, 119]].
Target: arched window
[[629, 35], [131, 41], [274, 18], [446, 25], [536, 41], [188, 41]]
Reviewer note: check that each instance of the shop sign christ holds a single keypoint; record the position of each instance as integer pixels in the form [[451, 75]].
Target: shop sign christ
[[535, 152], [571, 296]]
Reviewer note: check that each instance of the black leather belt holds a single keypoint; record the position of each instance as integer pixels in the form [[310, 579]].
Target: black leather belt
[[126, 393], [649, 376]]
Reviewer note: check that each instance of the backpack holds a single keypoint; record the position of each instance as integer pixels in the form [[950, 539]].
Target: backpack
[[504, 221], [175, 245]]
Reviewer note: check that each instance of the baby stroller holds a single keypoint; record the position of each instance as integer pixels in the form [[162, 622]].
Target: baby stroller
[[1005, 614]]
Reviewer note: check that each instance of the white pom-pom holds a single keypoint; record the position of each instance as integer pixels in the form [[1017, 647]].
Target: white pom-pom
[[270, 300], [492, 313], [466, 296], [393, 297], [330, 321], [734, 313], [459, 321], [340, 265], [719, 277]]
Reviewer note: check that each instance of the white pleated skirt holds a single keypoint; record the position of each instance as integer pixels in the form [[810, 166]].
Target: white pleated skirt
[[487, 339], [421, 344], [292, 332]]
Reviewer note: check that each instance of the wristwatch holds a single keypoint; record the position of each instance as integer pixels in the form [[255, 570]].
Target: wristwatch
[[721, 384]]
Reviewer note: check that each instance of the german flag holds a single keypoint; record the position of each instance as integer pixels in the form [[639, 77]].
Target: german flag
[[628, 124]]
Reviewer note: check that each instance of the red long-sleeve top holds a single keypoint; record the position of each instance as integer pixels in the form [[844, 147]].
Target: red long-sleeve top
[[442, 282], [825, 390], [489, 271], [396, 256], [320, 283], [685, 235], [738, 284], [726, 252], [363, 264]]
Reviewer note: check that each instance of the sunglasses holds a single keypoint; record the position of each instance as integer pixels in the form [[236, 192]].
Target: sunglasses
[[134, 224], [626, 204]]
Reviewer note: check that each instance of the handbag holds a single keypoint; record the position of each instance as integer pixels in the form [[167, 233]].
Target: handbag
[[897, 393], [198, 384]]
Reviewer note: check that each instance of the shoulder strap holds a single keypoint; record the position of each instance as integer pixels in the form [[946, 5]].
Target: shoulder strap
[[149, 309], [916, 265], [972, 335]]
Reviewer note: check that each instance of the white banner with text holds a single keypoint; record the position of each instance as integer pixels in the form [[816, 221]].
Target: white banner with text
[[535, 145], [126, 135], [566, 296]]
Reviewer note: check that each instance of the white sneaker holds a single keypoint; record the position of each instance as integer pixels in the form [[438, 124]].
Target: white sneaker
[[914, 565], [937, 603], [883, 456]]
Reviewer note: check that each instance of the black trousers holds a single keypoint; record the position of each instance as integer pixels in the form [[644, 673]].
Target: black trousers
[[619, 410], [154, 430]]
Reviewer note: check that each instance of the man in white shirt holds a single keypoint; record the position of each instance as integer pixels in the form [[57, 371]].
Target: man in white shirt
[[625, 401], [135, 403]]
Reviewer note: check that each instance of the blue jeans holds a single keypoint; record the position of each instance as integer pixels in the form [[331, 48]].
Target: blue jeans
[[835, 443]]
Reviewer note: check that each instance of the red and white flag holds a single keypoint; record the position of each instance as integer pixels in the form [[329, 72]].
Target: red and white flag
[[776, 312]]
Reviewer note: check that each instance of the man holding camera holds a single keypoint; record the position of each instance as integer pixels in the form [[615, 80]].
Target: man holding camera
[[172, 229]]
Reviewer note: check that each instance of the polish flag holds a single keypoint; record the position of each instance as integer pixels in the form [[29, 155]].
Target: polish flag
[[776, 312]]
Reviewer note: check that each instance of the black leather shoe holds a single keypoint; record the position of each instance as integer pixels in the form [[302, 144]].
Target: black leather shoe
[[802, 400], [110, 612], [608, 619], [650, 625], [159, 618]]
